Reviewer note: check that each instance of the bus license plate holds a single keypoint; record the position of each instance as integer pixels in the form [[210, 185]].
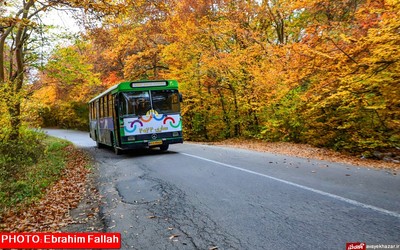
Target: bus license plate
[[155, 143]]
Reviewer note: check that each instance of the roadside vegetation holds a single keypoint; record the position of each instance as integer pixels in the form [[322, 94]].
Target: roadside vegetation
[[41, 179]]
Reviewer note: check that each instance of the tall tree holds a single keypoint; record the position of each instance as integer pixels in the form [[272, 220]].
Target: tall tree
[[18, 24], [12, 59]]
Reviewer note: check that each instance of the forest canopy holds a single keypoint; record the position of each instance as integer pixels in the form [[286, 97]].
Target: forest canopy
[[321, 72]]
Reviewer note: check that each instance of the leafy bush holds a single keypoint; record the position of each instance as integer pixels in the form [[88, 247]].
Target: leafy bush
[[28, 166], [71, 115], [15, 156]]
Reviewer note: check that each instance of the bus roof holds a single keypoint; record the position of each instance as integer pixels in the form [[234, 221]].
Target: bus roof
[[140, 85]]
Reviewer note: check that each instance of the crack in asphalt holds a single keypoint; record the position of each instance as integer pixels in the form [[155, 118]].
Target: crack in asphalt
[[185, 226], [173, 221], [197, 227]]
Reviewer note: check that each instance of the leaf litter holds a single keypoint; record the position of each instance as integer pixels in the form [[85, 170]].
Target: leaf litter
[[52, 211], [308, 152]]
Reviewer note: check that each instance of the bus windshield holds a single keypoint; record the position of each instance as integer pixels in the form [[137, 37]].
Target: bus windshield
[[138, 103]]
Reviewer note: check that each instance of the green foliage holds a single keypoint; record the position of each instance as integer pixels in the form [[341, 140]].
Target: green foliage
[[70, 115], [69, 66], [15, 156], [284, 120], [69, 83], [29, 166]]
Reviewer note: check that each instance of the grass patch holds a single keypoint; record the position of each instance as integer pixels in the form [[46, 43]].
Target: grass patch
[[40, 199], [28, 167]]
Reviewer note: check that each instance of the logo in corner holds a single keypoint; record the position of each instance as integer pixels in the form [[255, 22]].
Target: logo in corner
[[356, 246]]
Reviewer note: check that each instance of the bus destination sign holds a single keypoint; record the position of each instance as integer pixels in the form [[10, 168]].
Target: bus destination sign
[[148, 84]]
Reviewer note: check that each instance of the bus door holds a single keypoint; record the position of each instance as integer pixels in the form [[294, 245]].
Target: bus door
[[116, 120], [98, 131]]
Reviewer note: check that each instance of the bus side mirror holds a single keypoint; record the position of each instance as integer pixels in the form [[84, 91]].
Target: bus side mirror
[[180, 97]]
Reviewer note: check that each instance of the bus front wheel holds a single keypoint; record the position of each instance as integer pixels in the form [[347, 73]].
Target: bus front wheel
[[164, 147], [117, 150]]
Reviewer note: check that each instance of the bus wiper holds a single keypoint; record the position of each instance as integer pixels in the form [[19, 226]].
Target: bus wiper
[[128, 116]]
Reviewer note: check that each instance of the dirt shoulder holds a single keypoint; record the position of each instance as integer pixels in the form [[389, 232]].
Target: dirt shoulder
[[87, 216], [71, 204], [309, 152]]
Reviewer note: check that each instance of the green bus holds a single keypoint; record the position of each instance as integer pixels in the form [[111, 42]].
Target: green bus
[[138, 114]]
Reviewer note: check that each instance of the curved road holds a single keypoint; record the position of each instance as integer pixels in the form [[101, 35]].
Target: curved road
[[207, 197]]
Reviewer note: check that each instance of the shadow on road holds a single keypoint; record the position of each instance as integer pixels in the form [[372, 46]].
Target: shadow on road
[[131, 153]]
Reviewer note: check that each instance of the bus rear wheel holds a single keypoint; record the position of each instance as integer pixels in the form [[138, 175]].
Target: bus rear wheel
[[99, 144]]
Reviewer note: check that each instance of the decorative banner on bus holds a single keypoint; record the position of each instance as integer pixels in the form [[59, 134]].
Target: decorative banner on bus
[[152, 123]]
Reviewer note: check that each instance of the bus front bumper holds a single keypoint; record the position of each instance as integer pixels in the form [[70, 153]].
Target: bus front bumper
[[151, 143]]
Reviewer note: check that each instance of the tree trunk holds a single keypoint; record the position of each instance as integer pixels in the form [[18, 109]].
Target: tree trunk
[[225, 117], [16, 78]]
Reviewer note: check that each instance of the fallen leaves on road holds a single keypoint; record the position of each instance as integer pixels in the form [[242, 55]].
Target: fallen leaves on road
[[173, 236], [52, 211]]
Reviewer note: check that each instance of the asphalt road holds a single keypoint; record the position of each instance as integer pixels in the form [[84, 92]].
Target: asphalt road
[[207, 197]]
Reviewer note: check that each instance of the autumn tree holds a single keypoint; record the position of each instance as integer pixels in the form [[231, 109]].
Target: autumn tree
[[320, 72], [19, 23], [18, 29], [67, 82]]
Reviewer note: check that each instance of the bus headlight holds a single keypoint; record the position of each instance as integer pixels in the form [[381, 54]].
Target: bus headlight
[[175, 134]]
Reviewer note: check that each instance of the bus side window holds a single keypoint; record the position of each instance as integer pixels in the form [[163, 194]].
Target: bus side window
[[96, 109], [110, 105], [100, 108], [106, 114], [92, 111], [105, 106]]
